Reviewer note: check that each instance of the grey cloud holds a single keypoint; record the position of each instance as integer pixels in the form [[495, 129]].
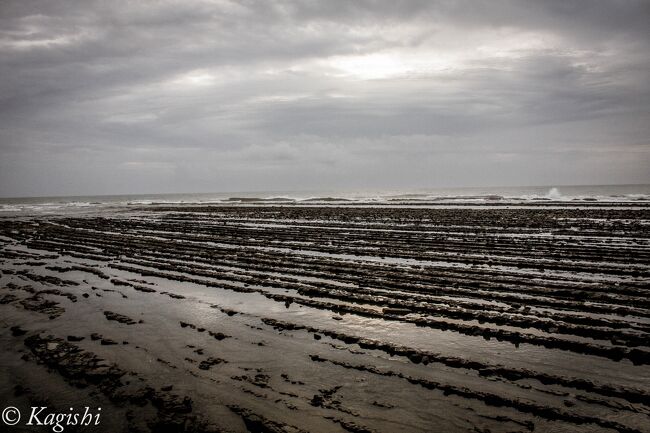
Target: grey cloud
[[102, 97]]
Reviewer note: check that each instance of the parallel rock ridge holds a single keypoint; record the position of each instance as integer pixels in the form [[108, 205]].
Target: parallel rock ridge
[[309, 318]]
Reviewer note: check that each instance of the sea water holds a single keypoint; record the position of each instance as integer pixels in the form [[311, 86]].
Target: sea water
[[633, 194]]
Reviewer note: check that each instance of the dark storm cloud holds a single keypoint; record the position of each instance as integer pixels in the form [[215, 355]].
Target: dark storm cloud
[[101, 97]]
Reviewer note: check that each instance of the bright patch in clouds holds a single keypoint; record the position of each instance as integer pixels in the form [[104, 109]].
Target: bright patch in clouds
[[194, 79], [389, 65], [437, 58]]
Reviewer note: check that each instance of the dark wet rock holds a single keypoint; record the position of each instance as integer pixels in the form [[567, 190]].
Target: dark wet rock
[[57, 292], [8, 298], [74, 363], [138, 287], [174, 414], [548, 412], [87, 269], [639, 357], [218, 335], [119, 318], [117, 282], [173, 295], [17, 331], [353, 427], [46, 279], [20, 390], [515, 337], [316, 400], [171, 403], [502, 419], [82, 368], [44, 306], [286, 378], [397, 311], [324, 397], [630, 394], [143, 289], [259, 424], [74, 338], [260, 380], [208, 363]]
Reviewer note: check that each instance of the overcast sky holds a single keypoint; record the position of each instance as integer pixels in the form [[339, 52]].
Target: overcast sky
[[207, 96]]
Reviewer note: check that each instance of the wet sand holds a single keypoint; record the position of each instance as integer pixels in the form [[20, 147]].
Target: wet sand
[[340, 318]]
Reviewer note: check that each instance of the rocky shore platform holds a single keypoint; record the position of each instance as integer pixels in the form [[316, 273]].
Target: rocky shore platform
[[324, 318]]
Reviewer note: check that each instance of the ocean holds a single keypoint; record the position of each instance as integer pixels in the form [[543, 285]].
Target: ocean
[[566, 193]]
